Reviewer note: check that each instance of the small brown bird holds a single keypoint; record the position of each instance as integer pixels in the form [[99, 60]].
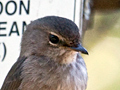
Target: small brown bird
[[49, 58]]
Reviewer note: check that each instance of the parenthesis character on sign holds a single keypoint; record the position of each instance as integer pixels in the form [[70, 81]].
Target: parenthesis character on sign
[[4, 55]]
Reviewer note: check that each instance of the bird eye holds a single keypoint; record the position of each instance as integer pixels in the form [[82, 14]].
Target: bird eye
[[54, 39]]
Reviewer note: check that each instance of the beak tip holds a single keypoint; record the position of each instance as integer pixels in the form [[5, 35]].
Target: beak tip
[[81, 49], [85, 52]]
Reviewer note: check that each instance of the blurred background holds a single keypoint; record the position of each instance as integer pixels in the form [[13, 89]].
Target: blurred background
[[103, 43], [100, 34]]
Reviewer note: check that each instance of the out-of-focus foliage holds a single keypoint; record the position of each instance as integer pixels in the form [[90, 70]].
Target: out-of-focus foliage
[[103, 44]]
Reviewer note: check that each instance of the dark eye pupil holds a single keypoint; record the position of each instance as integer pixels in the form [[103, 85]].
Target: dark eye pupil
[[54, 39]]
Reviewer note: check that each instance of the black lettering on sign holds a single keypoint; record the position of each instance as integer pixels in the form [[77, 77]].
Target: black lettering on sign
[[1, 7], [27, 9], [22, 7], [7, 6], [15, 30], [2, 28], [5, 51], [24, 27], [2, 57]]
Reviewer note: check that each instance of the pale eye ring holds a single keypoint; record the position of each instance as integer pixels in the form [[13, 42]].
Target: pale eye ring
[[53, 39]]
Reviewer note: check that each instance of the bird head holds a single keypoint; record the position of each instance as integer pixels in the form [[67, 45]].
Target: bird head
[[54, 37]]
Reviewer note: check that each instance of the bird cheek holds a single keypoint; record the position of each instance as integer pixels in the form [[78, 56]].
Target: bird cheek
[[52, 52]]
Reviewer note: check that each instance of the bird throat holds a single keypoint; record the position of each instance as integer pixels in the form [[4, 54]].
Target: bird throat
[[68, 57]]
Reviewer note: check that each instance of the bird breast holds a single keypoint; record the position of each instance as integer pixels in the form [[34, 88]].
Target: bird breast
[[40, 73]]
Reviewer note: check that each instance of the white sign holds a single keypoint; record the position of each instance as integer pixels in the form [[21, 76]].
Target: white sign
[[16, 14]]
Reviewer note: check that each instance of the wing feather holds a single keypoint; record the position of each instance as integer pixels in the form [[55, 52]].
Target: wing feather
[[13, 79]]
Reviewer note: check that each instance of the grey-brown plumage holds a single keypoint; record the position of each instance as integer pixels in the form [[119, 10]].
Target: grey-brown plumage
[[49, 58]]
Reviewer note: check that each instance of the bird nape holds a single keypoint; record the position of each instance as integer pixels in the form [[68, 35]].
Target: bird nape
[[49, 57]]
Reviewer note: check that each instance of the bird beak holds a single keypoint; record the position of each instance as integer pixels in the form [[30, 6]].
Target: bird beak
[[80, 48]]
